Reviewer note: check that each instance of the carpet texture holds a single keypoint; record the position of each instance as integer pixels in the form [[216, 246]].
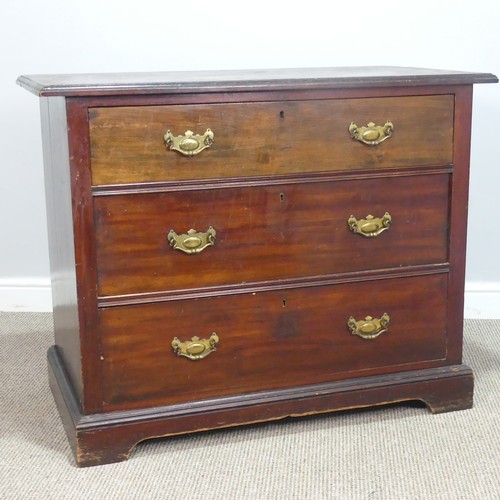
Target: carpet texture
[[395, 452]]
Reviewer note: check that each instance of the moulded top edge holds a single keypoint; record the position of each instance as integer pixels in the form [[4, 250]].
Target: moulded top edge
[[101, 84]]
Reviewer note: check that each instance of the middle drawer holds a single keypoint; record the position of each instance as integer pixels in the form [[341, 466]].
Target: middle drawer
[[268, 233]]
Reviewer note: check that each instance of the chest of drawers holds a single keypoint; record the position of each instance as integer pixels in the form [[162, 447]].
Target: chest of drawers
[[236, 247]]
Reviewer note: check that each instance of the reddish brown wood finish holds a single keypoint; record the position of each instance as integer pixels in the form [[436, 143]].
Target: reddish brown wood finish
[[268, 233], [84, 244], [110, 437], [114, 376], [267, 138], [297, 94], [270, 340], [458, 220], [206, 82], [60, 229]]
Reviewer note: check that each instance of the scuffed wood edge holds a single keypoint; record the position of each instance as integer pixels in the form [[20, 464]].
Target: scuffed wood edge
[[110, 437]]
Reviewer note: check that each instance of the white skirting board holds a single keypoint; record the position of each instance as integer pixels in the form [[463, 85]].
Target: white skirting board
[[482, 298], [25, 294]]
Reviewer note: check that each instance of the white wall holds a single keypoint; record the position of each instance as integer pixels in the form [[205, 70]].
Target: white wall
[[101, 36]]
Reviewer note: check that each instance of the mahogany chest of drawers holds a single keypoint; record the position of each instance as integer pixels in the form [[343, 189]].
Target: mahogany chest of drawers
[[236, 247]]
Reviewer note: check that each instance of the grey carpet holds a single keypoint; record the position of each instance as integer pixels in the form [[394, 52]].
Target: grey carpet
[[396, 452]]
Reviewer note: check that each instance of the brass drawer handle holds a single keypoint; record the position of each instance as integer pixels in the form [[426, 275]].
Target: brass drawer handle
[[195, 348], [192, 242], [189, 144], [369, 328], [371, 226], [371, 134]]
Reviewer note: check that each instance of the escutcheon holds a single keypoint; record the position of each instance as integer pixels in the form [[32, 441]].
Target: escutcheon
[[369, 328], [189, 144], [196, 348]]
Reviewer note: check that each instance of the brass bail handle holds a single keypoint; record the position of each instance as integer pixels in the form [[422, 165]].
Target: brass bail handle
[[369, 328], [196, 348], [192, 242], [370, 226], [189, 144], [371, 134]]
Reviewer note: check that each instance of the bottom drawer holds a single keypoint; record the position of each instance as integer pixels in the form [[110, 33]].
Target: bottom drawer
[[269, 340]]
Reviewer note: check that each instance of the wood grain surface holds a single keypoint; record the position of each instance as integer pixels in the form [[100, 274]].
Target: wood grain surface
[[253, 139], [180, 82], [285, 274], [268, 233], [268, 340]]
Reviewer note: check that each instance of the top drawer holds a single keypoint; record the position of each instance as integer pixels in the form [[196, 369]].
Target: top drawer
[[268, 138]]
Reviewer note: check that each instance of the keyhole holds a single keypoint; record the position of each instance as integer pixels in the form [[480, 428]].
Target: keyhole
[[282, 197], [283, 303], [282, 115]]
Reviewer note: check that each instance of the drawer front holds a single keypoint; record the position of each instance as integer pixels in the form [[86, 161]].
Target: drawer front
[[253, 139], [269, 340], [267, 233]]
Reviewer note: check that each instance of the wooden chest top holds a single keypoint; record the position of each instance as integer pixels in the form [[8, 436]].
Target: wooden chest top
[[185, 82]]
